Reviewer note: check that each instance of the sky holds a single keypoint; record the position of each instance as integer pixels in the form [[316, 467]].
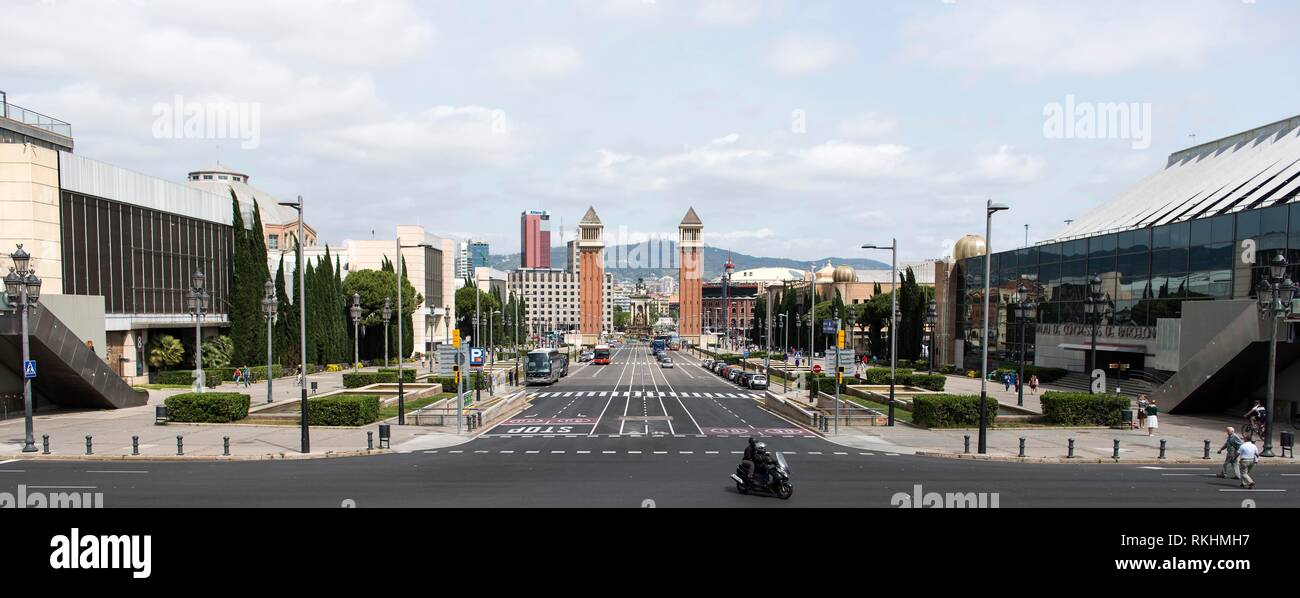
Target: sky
[[795, 129]]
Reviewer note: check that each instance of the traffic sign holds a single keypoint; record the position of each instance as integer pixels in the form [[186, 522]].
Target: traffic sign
[[29, 369], [839, 342], [476, 357], [828, 326], [447, 358], [455, 338]]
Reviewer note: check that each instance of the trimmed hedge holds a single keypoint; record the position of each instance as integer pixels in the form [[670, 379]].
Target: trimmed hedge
[[408, 374], [449, 382], [343, 410], [950, 411], [1083, 409], [211, 378], [207, 408], [359, 379]]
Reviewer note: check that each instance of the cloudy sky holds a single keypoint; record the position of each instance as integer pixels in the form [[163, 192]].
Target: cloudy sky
[[796, 128]]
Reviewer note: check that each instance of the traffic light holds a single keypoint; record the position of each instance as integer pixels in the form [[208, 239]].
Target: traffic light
[[839, 374], [455, 338], [455, 370]]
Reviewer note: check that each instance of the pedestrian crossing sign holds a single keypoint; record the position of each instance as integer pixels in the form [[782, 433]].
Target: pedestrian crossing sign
[[29, 369]]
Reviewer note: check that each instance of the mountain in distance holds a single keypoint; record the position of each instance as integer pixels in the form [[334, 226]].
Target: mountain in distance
[[714, 259]]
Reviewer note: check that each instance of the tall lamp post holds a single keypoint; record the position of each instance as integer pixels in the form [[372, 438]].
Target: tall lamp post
[[1094, 307], [1275, 303], [23, 289], [302, 327], [356, 330], [893, 316], [990, 209], [401, 276], [1025, 309], [387, 314], [931, 323], [198, 307], [269, 307], [785, 350]]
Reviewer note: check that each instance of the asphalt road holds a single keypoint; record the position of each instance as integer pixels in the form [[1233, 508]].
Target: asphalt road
[[621, 434]]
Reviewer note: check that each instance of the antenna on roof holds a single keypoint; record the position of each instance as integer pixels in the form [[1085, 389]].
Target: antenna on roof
[[1193, 136]]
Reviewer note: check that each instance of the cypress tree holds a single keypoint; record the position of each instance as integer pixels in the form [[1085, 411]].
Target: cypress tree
[[286, 325]]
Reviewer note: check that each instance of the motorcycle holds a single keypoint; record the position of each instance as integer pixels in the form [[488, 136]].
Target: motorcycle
[[777, 482]]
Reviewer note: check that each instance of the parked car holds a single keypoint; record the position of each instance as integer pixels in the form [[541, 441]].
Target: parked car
[[735, 374], [758, 382], [744, 378]]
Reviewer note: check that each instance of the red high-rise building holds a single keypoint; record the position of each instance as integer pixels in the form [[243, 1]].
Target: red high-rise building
[[535, 239]]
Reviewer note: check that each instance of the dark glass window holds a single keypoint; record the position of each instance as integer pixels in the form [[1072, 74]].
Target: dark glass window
[[1101, 247], [1049, 253], [1134, 240], [1211, 257], [1248, 224]]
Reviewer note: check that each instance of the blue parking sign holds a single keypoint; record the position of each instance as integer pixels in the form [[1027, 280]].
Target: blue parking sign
[[476, 356], [29, 369]]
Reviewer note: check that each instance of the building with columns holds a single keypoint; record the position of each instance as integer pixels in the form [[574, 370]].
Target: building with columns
[[591, 277], [690, 244]]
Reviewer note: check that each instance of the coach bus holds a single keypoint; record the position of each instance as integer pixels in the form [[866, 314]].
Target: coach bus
[[658, 345], [602, 355], [546, 366]]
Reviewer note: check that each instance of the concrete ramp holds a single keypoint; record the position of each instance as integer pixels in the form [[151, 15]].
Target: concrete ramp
[[68, 373], [1228, 361]]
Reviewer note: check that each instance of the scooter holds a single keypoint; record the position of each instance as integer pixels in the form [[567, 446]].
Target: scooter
[[777, 482]]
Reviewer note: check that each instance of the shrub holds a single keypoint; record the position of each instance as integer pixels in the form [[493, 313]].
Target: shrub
[[950, 411], [343, 410], [934, 382], [165, 351], [359, 379], [449, 382], [1081, 408], [209, 407], [408, 374], [211, 378]]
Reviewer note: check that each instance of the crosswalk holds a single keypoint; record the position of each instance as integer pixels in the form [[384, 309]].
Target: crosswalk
[[645, 394], [659, 452]]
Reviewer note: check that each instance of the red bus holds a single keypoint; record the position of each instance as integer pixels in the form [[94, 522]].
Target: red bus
[[602, 355]]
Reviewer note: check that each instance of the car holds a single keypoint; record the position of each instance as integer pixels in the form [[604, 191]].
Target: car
[[735, 374], [665, 363], [758, 381], [587, 356], [744, 378], [724, 370]]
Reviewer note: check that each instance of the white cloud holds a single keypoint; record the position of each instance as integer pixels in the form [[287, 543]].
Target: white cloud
[[443, 135], [728, 12], [539, 61], [799, 53], [1006, 166], [1095, 37], [866, 126]]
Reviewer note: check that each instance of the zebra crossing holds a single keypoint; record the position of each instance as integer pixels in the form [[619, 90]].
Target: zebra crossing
[[644, 394]]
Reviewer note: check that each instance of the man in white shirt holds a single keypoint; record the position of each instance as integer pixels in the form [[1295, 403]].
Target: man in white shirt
[[1247, 456]]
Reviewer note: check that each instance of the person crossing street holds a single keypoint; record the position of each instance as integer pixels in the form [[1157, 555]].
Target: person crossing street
[[1247, 457], [1231, 444]]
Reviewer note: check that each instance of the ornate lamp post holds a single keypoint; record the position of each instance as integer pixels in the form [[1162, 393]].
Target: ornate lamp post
[[24, 291], [1094, 307], [1026, 309], [387, 314], [269, 308], [356, 330], [931, 320], [1275, 303], [198, 301]]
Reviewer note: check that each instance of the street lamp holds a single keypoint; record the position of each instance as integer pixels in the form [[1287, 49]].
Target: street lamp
[[269, 307], [198, 307], [1275, 302], [1094, 307], [1025, 309], [23, 289], [990, 209], [785, 350], [401, 391], [931, 322], [893, 316], [387, 314], [302, 327], [356, 330]]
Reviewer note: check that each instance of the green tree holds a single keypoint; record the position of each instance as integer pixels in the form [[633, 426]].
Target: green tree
[[286, 322], [218, 352], [165, 351], [374, 286], [248, 274], [621, 318], [465, 310]]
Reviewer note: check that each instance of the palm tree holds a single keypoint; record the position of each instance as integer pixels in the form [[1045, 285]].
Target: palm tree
[[166, 352]]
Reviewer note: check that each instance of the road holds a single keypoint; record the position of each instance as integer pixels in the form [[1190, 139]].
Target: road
[[621, 434]]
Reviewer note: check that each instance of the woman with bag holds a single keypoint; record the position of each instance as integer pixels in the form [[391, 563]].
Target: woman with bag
[[1152, 423]]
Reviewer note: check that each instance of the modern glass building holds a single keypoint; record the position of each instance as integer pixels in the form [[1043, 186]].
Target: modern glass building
[[1179, 257]]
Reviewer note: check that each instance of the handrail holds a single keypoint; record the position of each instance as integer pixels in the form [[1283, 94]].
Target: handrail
[[33, 118]]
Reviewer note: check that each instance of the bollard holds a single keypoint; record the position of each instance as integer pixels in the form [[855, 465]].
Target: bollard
[[1116, 454], [135, 445], [1022, 446], [88, 451], [968, 443], [479, 416], [180, 445], [1207, 450], [225, 445], [370, 441], [1162, 448], [45, 443], [1070, 455]]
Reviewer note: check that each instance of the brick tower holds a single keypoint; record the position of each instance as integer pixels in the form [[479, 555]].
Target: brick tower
[[689, 300], [591, 277]]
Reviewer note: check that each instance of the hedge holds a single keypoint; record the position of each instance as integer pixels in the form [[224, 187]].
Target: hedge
[[1083, 409], [343, 410], [950, 411], [408, 374], [449, 382], [211, 378], [208, 408]]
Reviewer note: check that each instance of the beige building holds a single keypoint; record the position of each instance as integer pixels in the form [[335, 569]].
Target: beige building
[[29, 209]]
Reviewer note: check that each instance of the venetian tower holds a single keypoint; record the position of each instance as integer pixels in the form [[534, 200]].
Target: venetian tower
[[591, 276], [691, 262]]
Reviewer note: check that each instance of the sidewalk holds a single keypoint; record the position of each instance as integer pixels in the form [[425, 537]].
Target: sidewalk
[[112, 430]]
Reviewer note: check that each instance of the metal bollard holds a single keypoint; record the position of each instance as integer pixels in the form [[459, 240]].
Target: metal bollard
[[180, 445], [1207, 450], [225, 445], [968, 443], [1070, 455], [370, 441], [45, 443], [1022, 446], [88, 451], [1162, 448], [1116, 454], [479, 417], [135, 445]]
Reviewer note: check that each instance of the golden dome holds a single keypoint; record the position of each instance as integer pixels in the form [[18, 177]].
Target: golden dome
[[969, 246], [826, 274], [845, 273]]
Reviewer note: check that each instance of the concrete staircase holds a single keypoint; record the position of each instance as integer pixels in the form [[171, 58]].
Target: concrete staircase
[[68, 373]]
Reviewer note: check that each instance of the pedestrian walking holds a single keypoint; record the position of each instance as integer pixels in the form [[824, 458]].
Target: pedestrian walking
[[1033, 384], [1152, 422], [1247, 457], [1230, 444], [1142, 412], [1006, 382]]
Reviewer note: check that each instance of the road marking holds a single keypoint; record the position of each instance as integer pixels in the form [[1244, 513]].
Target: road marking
[[552, 452], [63, 487], [531, 452], [425, 452], [814, 452], [710, 452], [678, 452], [12, 470], [737, 452], [656, 452], [476, 452], [868, 454], [7, 461], [601, 452], [505, 452], [795, 453], [579, 452], [634, 452], [835, 453], [886, 454], [452, 452], [1251, 490], [116, 471]]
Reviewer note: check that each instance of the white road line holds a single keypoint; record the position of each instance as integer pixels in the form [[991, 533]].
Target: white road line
[[552, 452], [503, 452], [579, 452], [837, 372], [12, 460], [705, 452], [116, 471], [678, 452], [526, 452], [12, 470], [656, 452], [1251, 490], [452, 452], [601, 452], [886, 454], [475, 452], [867, 454], [629, 452], [809, 452]]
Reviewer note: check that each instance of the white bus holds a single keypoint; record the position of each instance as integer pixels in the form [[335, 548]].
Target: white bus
[[546, 366]]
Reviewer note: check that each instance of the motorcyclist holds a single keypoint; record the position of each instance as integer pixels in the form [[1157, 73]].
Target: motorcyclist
[[747, 461], [762, 462]]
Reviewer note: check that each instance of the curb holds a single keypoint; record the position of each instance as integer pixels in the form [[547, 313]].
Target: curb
[[264, 457], [1076, 460]]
